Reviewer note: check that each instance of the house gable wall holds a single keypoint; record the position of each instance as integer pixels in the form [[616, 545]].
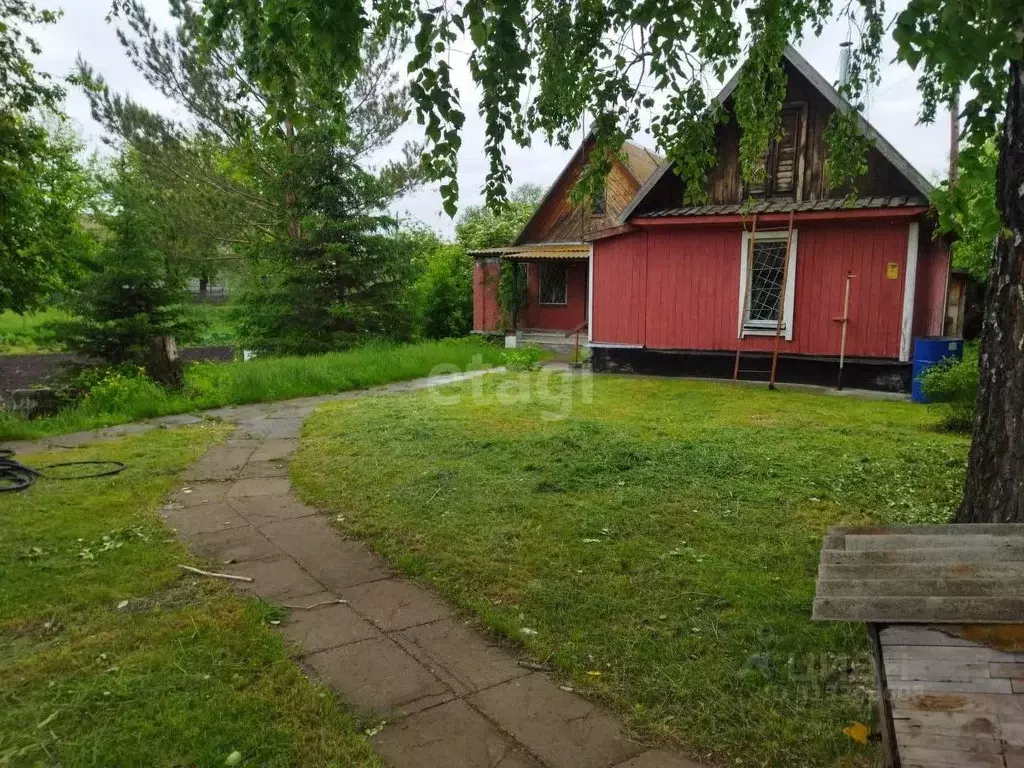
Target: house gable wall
[[725, 186], [559, 220]]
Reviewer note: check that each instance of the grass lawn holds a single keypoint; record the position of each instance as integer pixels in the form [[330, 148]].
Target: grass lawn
[[212, 385], [25, 335], [658, 546], [111, 657]]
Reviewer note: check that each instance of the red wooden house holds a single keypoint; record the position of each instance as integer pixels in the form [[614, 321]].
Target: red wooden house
[[554, 250], [680, 288]]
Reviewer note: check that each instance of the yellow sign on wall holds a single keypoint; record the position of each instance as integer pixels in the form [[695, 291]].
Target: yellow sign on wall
[[892, 271]]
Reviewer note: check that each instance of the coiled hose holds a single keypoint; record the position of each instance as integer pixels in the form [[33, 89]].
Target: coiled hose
[[15, 476]]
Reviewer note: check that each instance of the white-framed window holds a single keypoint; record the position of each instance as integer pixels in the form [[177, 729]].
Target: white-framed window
[[761, 284], [553, 283]]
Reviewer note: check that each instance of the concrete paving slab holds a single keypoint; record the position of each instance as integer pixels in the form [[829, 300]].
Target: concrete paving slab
[[461, 657], [264, 469], [235, 544], [378, 676], [327, 557], [188, 521], [194, 494], [219, 463], [260, 510], [260, 486], [285, 429], [562, 729], [451, 735], [177, 420], [275, 449], [278, 579], [394, 604], [327, 626]]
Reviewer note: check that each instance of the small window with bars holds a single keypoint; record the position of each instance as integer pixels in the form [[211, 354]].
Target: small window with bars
[[764, 295], [552, 284], [598, 206]]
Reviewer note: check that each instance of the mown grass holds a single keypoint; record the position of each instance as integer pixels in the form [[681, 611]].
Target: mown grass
[[27, 334], [658, 544], [109, 656], [212, 385]]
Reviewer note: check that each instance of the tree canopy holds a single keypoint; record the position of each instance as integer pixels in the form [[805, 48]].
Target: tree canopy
[[540, 66]]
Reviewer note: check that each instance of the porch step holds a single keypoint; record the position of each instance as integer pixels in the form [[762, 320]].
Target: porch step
[[553, 340]]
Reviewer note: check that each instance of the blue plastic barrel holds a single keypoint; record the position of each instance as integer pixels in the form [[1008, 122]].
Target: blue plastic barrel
[[929, 350]]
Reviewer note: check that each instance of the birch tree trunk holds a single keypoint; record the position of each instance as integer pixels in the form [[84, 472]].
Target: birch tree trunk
[[994, 491]]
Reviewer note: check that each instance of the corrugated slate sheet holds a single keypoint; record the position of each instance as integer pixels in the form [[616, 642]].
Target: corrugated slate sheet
[[537, 251], [785, 206], [929, 574]]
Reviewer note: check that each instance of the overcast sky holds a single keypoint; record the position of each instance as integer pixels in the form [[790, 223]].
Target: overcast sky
[[893, 106]]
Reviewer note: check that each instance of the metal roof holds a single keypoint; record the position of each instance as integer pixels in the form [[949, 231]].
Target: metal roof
[[923, 574], [888, 151], [785, 206]]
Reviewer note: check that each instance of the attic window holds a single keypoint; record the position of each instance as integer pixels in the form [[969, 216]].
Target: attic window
[[597, 204], [782, 164]]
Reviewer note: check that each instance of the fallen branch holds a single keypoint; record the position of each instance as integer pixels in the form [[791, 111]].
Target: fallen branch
[[314, 605], [534, 667], [211, 574]]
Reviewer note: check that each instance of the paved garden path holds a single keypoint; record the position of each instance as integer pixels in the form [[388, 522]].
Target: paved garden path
[[448, 696]]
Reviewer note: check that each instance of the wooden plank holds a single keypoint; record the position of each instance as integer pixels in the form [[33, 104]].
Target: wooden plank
[[924, 610], [925, 541], [890, 751], [920, 740], [920, 587], [987, 685], [937, 670], [948, 570], [1013, 730], [1001, 550], [1013, 669], [936, 758], [959, 724], [1014, 756], [911, 634], [952, 653], [998, 704]]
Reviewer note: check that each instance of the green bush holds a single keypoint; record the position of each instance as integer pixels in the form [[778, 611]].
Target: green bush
[[445, 292], [953, 386], [522, 358]]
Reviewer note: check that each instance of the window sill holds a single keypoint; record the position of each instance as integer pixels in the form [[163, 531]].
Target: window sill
[[550, 304], [763, 330]]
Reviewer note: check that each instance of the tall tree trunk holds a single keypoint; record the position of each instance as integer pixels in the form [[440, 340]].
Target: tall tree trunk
[[994, 492]]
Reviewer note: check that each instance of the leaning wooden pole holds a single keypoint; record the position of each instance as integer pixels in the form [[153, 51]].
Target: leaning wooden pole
[[782, 302], [845, 320], [749, 256]]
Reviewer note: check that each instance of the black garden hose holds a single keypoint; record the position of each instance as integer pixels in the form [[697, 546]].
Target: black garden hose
[[15, 476]]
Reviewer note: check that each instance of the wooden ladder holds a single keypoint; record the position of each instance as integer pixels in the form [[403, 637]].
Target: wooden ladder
[[749, 256]]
